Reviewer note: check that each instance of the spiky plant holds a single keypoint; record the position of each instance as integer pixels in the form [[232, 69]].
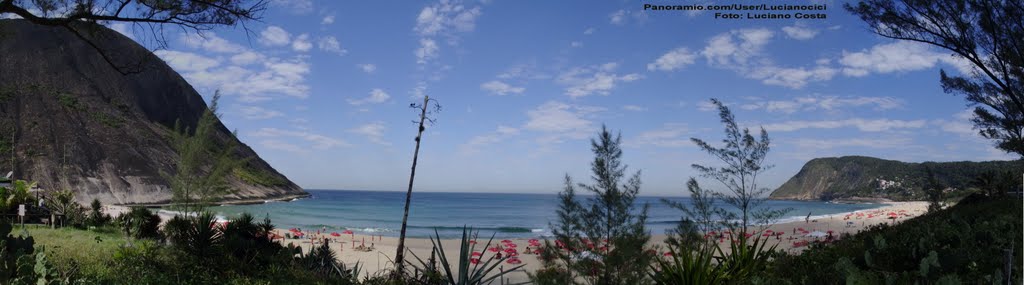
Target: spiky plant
[[466, 273]]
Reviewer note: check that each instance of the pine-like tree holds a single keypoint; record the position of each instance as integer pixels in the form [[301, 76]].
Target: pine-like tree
[[744, 158], [987, 35], [600, 240], [204, 163]]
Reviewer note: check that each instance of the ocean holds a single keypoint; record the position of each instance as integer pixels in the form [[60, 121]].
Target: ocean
[[503, 214]]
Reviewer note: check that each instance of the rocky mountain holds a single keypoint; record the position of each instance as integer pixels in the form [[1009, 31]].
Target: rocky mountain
[[861, 177], [70, 118]]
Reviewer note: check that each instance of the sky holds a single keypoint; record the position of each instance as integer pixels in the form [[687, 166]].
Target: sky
[[321, 90]]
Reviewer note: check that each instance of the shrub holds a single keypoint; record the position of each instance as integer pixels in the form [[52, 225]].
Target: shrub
[[96, 216], [964, 242], [140, 223]]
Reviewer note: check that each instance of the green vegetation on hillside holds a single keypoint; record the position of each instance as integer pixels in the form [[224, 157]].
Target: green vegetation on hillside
[[861, 176]]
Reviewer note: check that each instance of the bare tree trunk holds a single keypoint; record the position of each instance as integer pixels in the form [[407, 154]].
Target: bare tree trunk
[[399, 263]]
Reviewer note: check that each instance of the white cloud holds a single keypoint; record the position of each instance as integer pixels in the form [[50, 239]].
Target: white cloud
[[282, 146], [120, 27], [589, 31], [186, 62], [374, 132], [210, 42], [477, 142], [899, 56], [367, 67], [524, 71], [737, 47], [576, 44], [428, 50], [672, 60], [275, 36], [634, 108], [377, 96], [600, 79], [811, 103], [247, 57], [669, 135], [960, 124], [327, 20], [703, 106], [501, 88], [330, 44], [446, 17], [742, 52], [295, 6], [302, 44], [559, 121], [884, 143], [865, 125], [316, 141], [258, 113], [799, 32], [618, 17], [244, 77]]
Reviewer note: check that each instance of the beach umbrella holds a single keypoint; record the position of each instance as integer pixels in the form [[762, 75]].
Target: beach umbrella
[[347, 232], [335, 234], [474, 260], [477, 253], [506, 241], [472, 242], [514, 261], [494, 249], [667, 253], [512, 245], [766, 234]]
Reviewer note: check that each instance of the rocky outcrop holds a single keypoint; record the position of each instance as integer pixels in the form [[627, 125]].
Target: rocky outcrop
[[70, 120]]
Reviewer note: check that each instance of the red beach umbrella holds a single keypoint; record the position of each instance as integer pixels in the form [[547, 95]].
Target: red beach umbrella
[[667, 253], [494, 249], [477, 253], [347, 232], [335, 234], [514, 261], [474, 260], [506, 241]]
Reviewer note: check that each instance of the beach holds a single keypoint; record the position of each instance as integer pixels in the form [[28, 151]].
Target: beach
[[372, 261]]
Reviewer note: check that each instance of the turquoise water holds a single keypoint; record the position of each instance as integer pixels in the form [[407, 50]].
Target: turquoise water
[[506, 215]]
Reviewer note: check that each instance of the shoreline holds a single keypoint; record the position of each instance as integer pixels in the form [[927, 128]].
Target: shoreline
[[248, 201], [795, 237]]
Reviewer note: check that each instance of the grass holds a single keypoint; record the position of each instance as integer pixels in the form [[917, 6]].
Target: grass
[[91, 251]]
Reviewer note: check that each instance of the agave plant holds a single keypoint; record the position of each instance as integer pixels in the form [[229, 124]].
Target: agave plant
[[695, 266], [707, 263], [466, 273], [743, 261]]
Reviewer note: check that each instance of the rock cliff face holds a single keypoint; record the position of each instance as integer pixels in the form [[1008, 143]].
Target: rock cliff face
[[861, 177], [70, 120]]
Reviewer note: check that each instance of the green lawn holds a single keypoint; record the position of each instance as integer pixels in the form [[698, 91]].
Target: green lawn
[[91, 251]]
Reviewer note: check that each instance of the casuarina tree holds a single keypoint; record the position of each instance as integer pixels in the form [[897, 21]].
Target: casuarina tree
[[988, 36], [599, 239]]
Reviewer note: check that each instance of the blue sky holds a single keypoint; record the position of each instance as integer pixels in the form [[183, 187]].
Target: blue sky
[[321, 89]]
